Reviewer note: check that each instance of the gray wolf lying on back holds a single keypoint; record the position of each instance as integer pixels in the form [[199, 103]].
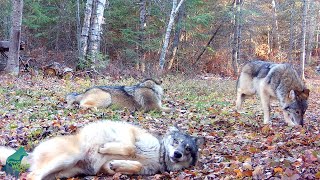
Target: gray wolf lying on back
[[145, 96], [270, 80], [110, 147]]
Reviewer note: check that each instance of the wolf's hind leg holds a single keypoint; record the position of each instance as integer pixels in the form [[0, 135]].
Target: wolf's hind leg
[[49, 168], [125, 166], [244, 88]]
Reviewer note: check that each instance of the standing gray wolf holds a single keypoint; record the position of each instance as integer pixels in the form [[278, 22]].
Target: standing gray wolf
[[110, 147], [270, 80], [145, 96]]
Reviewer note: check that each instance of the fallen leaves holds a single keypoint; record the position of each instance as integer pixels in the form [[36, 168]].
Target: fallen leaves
[[238, 145]]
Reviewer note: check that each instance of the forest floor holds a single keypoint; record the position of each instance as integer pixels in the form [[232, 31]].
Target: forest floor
[[238, 146]]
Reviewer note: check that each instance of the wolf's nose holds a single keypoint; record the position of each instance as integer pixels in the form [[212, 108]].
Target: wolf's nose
[[177, 154]]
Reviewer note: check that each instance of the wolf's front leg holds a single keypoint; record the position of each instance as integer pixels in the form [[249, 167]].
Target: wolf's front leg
[[287, 118], [265, 103], [123, 166], [118, 148], [124, 144]]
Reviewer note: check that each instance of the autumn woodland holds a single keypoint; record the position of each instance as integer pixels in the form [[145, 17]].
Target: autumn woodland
[[197, 48]]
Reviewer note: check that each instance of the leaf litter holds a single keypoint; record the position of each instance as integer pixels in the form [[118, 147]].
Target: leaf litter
[[238, 146]]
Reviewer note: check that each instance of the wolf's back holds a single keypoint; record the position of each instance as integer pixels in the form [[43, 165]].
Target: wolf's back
[[258, 69], [5, 152]]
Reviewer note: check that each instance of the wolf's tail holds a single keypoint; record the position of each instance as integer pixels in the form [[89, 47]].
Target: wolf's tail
[[5, 152]]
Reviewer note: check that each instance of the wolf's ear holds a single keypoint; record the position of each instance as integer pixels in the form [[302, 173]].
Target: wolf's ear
[[292, 95], [174, 128], [199, 141], [305, 94]]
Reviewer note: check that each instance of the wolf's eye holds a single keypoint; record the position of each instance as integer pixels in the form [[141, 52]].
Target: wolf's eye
[[297, 112], [188, 149], [175, 142]]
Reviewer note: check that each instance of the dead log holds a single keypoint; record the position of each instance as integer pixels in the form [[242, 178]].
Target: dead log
[[56, 69], [4, 46]]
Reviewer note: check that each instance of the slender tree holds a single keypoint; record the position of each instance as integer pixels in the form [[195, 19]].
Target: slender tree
[[140, 65], [292, 11], [236, 36], [175, 9], [275, 27], [177, 33], [85, 29], [13, 61], [91, 31], [303, 39]]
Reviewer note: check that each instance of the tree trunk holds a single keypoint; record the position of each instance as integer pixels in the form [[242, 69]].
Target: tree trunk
[[174, 11], [78, 29], [85, 30], [141, 49], [292, 11], [176, 38], [275, 28], [95, 31], [311, 30], [13, 60], [236, 36], [303, 39]]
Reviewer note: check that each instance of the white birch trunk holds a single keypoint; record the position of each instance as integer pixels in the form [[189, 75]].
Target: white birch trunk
[[291, 32], [140, 64], [94, 36], [275, 29], [303, 39], [85, 30], [173, 14], [14, 48]]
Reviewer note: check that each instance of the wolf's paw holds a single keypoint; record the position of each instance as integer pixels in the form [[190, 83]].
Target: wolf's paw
[[113, 165]]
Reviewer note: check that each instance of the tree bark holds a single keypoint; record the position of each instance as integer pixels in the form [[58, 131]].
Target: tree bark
[[96, 30], [292, 11], [275, 28], [303, 39], [85, 30], [13, 61], [311, 30], [175, 9], [176, 38], [78, 29], [141, 49], [236, 36]]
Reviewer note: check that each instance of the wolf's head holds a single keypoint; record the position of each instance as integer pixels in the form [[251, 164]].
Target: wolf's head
[[71, 98], [152, 84], [181, 150], [296, 106]]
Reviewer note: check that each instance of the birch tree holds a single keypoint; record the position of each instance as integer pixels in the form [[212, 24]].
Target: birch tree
[[140, 65], [275, 28], [176, 38], [292, 11], [85, 29], [303, 39], [13, 61], [174, 11], [91, 30], [236, 36]]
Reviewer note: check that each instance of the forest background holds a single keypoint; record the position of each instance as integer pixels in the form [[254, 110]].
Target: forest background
[[208, 43], [207, 36]]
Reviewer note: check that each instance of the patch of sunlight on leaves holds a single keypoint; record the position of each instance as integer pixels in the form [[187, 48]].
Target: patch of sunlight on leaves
[[13, 126]]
